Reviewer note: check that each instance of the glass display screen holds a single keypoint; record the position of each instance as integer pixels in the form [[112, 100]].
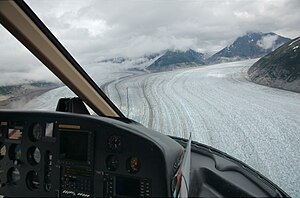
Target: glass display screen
[[14, 134], [84, 172], [49, 130], [127, 187], [74, 145]]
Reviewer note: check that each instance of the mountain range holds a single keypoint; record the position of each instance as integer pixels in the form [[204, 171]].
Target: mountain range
[[280, 68], [251, 45], [177, 59]]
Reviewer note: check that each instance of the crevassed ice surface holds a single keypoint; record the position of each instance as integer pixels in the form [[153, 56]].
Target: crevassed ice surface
[[219, 107]]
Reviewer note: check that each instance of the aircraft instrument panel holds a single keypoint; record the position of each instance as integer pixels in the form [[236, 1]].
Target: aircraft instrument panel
[[59, 155]]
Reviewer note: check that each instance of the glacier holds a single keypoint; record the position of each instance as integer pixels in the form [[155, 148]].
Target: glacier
[[218, 105]]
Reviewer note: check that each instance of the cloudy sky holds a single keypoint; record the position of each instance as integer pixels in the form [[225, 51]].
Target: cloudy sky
[[97, 29]]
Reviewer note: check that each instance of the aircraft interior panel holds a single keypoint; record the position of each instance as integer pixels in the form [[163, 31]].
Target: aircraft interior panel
[[46, 154]]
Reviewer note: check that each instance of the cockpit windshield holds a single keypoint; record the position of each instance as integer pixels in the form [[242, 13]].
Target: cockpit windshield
[[178, 67]]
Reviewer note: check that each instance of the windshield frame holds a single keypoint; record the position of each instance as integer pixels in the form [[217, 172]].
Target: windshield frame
[[14, 13]]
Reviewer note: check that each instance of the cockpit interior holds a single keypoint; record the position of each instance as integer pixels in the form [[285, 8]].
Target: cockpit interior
[[69, 153]]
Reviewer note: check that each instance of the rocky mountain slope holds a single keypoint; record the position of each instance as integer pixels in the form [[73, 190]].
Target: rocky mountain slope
[[22, 93], [251, 45], [280, 68], [177, 59]]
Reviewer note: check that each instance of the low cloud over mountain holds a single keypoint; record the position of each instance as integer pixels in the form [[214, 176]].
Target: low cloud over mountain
[[251, 45]]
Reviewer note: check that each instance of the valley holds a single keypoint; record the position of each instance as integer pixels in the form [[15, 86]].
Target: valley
[[218, 105]]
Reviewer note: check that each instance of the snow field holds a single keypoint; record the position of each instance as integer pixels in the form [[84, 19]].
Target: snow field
[[221, 108], [217, 105]]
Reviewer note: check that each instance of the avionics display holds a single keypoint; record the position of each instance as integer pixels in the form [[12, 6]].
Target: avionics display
[[74, 145], [83, 172], [15, 134], [127, 187], [49, 130]]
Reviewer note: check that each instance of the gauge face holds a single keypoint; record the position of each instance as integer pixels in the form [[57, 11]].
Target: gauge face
[[2, 150], [133, 164], [34, 155], [37, 155], [13, 175], [114, 143], [37, 132], [15, 152], [112, 163], [32, 180], [18, 152]]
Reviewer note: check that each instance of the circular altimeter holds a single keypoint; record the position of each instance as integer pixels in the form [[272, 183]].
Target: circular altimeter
[[32, 180], [15, 152], [36, 132], [13, 176], [114, 143], [133, 164], [2, 150], [33, 155], [112, 162]]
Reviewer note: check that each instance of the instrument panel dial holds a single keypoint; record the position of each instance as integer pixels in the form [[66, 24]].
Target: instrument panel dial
[[32, 180], [133, 164], [15, 153], [114, 143], [37, 132], [34, 155], [2, 150], [13, 176], [112, 163]]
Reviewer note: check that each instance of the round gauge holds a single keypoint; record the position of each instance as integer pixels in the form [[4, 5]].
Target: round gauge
[[37, 155], [114, 143], [2, 150], [34, 155], [13, 175], [37, 132], [15, 152], [18, 152], [32, 180], [133, 164], [112, 163]]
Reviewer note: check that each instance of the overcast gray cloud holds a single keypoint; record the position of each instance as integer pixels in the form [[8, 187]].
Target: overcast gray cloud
[[94, 29], [135, 27]]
